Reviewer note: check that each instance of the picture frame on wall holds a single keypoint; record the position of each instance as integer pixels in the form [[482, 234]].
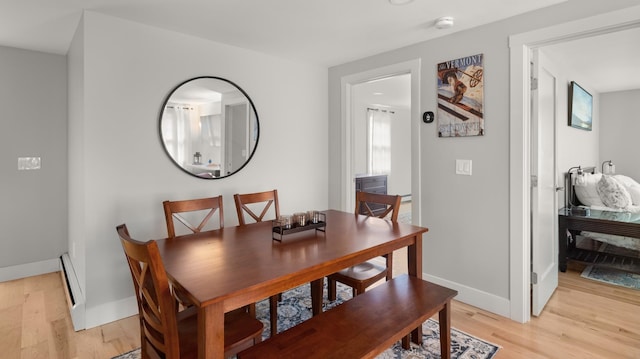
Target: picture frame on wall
[[460, 89], [580, 107]]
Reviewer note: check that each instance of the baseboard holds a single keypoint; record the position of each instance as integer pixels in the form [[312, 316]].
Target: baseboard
[[110, 312], [29, 270], [485, 301], [468, 295], [75, 298], [83, 316]]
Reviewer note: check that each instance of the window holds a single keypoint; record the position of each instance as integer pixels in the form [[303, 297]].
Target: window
[[378, 141]]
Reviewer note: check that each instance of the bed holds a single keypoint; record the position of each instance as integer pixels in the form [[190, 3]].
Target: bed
[[600, 223]]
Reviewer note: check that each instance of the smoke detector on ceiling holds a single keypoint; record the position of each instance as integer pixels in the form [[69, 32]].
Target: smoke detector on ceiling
[[444, 22], [399, 2]]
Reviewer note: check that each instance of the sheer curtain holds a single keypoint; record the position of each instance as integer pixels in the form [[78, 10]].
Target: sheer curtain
[[176, 129], [379, 141]]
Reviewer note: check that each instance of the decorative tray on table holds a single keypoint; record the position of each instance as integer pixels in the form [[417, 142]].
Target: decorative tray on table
[[279, 230]]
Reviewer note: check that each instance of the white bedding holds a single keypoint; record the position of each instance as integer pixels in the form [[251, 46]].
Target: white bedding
[[631, 210], [624, 197], [592, 192], [619, 241]]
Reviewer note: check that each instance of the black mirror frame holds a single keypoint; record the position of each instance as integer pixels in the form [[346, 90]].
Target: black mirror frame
[[161, 137]]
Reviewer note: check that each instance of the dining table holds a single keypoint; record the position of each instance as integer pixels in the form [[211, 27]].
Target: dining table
[[231, 267]]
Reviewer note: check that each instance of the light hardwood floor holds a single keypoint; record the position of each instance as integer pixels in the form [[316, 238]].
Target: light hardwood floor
[[584, 319]]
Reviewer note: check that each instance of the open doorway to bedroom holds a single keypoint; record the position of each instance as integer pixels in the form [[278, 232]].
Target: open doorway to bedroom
[[521, 149]]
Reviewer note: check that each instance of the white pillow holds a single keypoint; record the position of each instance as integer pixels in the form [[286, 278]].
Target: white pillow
[[612, 193], [631, 186], [587, 192]]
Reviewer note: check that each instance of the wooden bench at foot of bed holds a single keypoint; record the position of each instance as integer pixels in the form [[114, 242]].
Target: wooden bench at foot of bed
[[366, 325]]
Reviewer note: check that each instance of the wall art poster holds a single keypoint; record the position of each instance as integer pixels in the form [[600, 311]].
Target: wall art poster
[[461, 97]]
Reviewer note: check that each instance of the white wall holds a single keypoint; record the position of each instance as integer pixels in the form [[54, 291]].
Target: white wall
[[620, 126], [33, 213], [120, 73], [576, 147], [467, 246], [400, 179]]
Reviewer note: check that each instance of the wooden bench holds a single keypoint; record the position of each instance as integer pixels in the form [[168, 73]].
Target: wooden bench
[[366, 325]]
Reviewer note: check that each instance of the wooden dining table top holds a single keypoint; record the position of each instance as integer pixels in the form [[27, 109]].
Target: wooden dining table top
[[236, 266], [216, 265]]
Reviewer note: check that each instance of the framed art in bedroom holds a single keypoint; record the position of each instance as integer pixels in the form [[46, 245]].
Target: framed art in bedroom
[[580, 107]]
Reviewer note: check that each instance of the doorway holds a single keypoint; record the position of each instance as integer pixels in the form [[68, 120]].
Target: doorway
[[352, 86], [381, 118], [381, 111], [349, 129], [520, 145]]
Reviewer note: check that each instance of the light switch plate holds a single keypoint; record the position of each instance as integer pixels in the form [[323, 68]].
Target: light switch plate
[[28, 163], [463, 167]]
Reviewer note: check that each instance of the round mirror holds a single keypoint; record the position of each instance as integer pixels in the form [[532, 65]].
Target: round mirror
[[209, 127]]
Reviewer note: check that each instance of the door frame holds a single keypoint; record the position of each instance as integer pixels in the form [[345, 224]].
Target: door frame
[[520, 46], [411, 67]]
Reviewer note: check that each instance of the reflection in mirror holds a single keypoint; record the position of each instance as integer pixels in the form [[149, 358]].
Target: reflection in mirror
[[209, 127]]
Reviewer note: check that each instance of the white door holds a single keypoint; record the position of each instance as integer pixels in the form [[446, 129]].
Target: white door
[[544, 210], [237, 136]]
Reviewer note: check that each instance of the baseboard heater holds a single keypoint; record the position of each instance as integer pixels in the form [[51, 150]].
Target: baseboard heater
[[75, 299]]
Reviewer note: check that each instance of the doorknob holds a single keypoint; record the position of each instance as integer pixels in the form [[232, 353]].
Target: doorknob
[[558, 189]]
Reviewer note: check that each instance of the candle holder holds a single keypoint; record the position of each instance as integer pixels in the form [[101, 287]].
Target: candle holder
[[298, 223]]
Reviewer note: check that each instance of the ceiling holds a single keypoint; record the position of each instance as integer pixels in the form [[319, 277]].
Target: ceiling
[[388, 92], [325, 32], [610, 61]]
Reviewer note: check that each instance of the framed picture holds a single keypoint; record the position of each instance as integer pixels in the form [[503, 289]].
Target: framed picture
[[580, 107], [460, 88]]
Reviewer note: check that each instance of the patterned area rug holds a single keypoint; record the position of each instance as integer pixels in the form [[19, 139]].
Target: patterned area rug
[[404, 217], [295, 307], [612, 276]]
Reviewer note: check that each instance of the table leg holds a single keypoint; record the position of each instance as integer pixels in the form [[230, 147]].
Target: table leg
[[316, 296], [414, 259], [444, 317], [211, 332]]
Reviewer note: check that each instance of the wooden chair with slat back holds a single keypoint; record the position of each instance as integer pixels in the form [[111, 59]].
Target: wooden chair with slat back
[[363, 275], [262, 201], [174, 209], [164, 331], [196, 208]]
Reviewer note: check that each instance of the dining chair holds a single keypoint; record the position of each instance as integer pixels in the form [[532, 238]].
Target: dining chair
[[195, 209], [363, 275], [261, 202], [175, 210], [166, 332]]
